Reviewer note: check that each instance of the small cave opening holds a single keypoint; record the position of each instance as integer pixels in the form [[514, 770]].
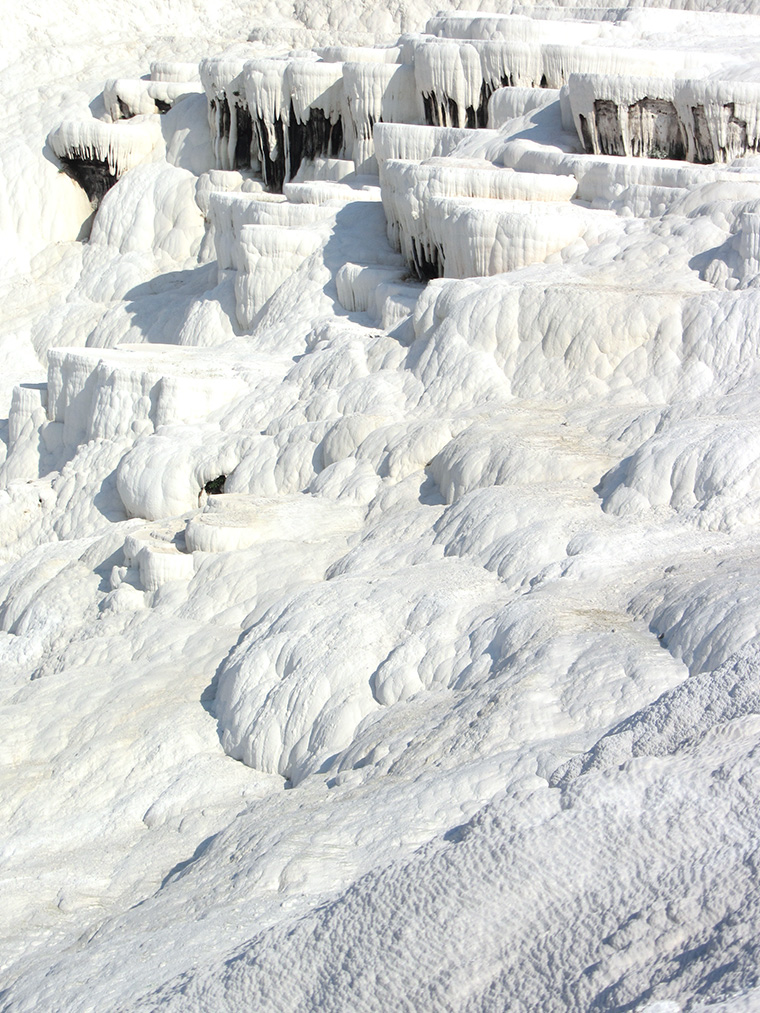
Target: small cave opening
[[94, 175], [215, 486], [426, 264]]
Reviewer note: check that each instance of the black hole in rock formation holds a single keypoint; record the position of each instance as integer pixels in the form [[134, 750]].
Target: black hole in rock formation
[[486, 91], [163, 107], [317, 136], [426, 264], [244, 138], [336, 139], [544, 83], [224, 118], [215, 486], [93, 175], [124, 109]]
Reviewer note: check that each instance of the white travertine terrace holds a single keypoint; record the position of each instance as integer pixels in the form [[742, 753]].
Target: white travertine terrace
[[697, 120], [415, 143], [268, 255], [362, 287], [359, 54], [511, 27], [410, 191], [174, 70], [117, 147], [228, 212], [377, 93], [477, 237], [456, 78], [124, 97], [155, 556], [298, 108], [229, 115], [120, 393], [326, 191], [506, 104], [379, 502], [749, 245]]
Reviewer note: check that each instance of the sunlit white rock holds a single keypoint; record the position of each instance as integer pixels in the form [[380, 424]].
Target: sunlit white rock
[[377, 93], [472, 25], [158, 554], [507, 103], [408, 189], [174, 70], [128, 391], [125, 98], [482, 580], [112, 148], [268, 256]]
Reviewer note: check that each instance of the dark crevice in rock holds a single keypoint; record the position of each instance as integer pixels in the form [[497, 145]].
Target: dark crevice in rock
[[703, 148], [426, 264], [441, 112], [244, 138], [94, 175], [486, 91], [215, 486], [317, 136], [225, 118]]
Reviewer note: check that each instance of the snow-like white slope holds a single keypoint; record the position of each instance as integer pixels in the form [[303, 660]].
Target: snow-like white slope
[[379, 496]]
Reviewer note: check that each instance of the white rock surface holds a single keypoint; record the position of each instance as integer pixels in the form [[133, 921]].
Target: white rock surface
[[370, 642]]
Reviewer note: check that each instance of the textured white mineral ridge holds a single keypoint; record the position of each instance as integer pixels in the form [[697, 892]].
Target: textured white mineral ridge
[[379, 508]]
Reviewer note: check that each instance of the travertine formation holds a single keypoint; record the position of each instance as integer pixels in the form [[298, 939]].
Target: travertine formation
[[390, 426]]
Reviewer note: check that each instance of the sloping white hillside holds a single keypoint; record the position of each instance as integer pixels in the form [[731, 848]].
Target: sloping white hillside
[[379, 499]]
